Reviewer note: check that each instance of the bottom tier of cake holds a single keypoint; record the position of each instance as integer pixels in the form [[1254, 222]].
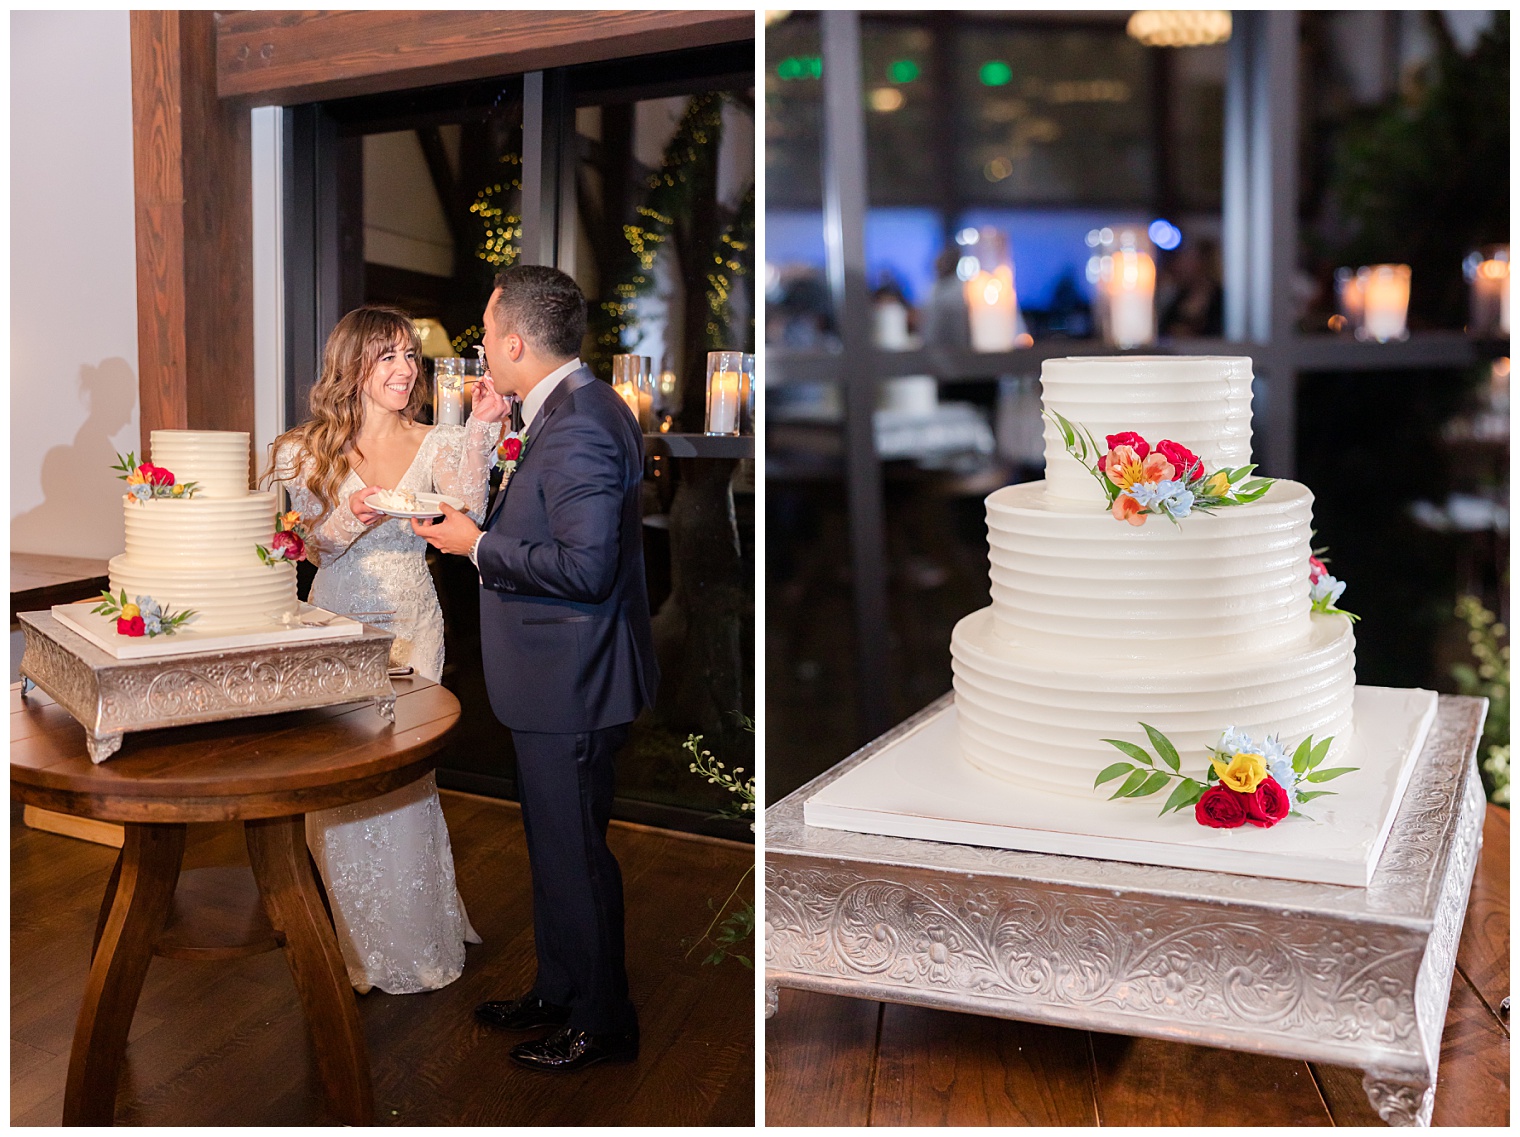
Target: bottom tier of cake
[[1028, 721], [251, 598]]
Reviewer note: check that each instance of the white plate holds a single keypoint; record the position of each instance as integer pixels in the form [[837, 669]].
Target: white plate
[[427, 506]]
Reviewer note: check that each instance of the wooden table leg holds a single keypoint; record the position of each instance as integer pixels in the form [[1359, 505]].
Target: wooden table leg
[[144, 888], [293, 899]]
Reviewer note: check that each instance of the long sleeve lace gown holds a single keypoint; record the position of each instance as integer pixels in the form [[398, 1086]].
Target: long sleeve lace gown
[[386, 862]]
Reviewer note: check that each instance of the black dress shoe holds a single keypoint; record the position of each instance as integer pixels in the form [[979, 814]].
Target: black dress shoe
[[570, 1049], [528, 1013]]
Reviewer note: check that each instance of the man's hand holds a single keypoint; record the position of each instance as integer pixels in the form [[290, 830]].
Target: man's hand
[[489, 405], [456, 533]]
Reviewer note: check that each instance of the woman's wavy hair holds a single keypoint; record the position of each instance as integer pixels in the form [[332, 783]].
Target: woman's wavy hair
[[337, 407]]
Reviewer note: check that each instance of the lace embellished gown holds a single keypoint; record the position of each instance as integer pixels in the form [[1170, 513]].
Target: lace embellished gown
[[386, 862]]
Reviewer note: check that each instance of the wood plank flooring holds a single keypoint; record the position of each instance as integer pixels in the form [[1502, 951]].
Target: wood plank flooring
[[837, 1061], [225, 1043]]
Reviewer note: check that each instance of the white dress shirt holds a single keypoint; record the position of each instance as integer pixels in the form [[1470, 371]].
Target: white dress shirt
[[532, 403]]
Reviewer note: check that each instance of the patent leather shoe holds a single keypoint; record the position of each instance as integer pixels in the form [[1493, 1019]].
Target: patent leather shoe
[[570, 1049], [528, 1013]]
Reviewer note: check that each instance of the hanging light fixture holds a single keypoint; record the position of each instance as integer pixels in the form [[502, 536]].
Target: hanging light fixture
[[1188, 28]]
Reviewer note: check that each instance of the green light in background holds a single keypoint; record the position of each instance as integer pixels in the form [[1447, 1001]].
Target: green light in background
[[902, 71], [996, 73], [800, 67]]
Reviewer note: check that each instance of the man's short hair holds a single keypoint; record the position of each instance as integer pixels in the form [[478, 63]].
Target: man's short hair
[[544, 306]]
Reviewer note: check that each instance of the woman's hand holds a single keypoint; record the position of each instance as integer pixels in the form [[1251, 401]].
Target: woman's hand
[[489, 405], [357, 505]]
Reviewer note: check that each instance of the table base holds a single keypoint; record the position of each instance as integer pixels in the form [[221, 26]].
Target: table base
[[135, 924]]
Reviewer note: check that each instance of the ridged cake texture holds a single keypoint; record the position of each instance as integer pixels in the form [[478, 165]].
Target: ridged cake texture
[[1096, 626], [201, 552]]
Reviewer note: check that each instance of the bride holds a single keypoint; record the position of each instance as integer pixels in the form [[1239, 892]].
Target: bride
[[386, 862]]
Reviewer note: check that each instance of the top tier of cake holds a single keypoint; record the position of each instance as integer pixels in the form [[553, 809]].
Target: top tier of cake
[[1201, 402], [216, 460]]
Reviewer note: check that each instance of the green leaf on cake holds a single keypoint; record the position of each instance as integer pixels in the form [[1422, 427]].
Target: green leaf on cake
[[1111, 772], [1317, 755], [1150, 785], [1136, 752], [1187, 793], [1301, 755], [1131, 784], [1164, 748], [1310, 795], [1327, 775]]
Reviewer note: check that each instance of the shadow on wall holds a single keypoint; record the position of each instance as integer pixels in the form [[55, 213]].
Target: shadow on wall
[[80, 514]]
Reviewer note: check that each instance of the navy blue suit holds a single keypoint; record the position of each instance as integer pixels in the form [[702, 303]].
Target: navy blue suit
[[569, 663]]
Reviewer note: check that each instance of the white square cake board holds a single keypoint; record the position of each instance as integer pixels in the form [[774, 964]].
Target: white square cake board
[[919, 786], [101, 631]]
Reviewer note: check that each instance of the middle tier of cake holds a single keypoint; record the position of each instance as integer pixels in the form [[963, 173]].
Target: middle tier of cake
[[1070, 584], [1041, 722]]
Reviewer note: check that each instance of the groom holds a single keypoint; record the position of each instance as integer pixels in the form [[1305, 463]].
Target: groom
[[569, 661]]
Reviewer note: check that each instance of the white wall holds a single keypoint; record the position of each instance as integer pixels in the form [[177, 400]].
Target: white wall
[[73, 280]]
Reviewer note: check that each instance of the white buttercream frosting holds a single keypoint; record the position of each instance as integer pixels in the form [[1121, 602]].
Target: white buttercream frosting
[[201, 553], [216, 460], [1097, 626], [1201, 402]]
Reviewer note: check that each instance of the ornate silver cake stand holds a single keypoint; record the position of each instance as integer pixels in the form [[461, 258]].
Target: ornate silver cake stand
[[111, 696], [1353, 977]]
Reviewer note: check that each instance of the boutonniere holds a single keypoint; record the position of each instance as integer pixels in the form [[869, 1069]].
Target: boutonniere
[[509, 453]]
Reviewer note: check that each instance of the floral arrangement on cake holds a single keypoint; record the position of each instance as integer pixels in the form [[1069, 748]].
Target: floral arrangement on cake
[[1248, 782], [1324, 590], [1167, 480], [289, 542], [142, 617], [509, 452], [145, 480]]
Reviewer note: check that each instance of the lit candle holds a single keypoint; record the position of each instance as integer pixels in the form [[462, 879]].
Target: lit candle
[[1491, 297], [993, 306], [723, 388], [448, 394], [641, 403], [1130, 288], [1385, 301]]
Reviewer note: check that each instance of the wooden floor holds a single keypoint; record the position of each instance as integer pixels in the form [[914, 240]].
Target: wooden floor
[[225, 1043], [838, 1061]]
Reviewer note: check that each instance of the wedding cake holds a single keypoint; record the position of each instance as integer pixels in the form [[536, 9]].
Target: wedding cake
[[204, 550], [1189, 624]]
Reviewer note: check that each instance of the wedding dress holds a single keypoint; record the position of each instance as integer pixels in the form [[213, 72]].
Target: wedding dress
[[386, 862]]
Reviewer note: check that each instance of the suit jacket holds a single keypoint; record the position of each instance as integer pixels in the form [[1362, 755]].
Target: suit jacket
[[564, 612]]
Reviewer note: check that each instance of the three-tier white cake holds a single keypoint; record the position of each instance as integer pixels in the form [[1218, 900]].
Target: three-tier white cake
[[1096, 625], [201, 552]]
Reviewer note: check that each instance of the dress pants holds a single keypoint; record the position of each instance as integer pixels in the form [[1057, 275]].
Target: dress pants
[[565, 784]]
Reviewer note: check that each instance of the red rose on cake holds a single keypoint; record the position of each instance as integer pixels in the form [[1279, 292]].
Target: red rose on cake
[[1221, 808], [1268, 805], [1184, 461], [1316, 569], [130, 626], [1129, 438]]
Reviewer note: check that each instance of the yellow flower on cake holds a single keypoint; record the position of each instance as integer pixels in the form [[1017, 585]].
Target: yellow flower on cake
[[179, 491], [1243, 774], [290, 520], [130, 610], [1218, 484]]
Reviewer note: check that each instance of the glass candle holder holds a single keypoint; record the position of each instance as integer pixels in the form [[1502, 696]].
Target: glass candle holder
[[632, 379], [1124, 272], [667, 391], [1487, 272], [992, 304], [725, 391], [1385, 302], [448, 391], [747, 395]]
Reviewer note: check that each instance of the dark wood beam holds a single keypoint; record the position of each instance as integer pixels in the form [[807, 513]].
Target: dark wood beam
[[192, 169], [295, 57]]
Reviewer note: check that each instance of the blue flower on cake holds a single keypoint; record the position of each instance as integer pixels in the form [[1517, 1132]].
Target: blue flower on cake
[[152, 614], [1172, 496]]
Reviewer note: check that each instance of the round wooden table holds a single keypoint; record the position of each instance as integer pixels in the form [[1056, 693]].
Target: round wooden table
[[267, 772]]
